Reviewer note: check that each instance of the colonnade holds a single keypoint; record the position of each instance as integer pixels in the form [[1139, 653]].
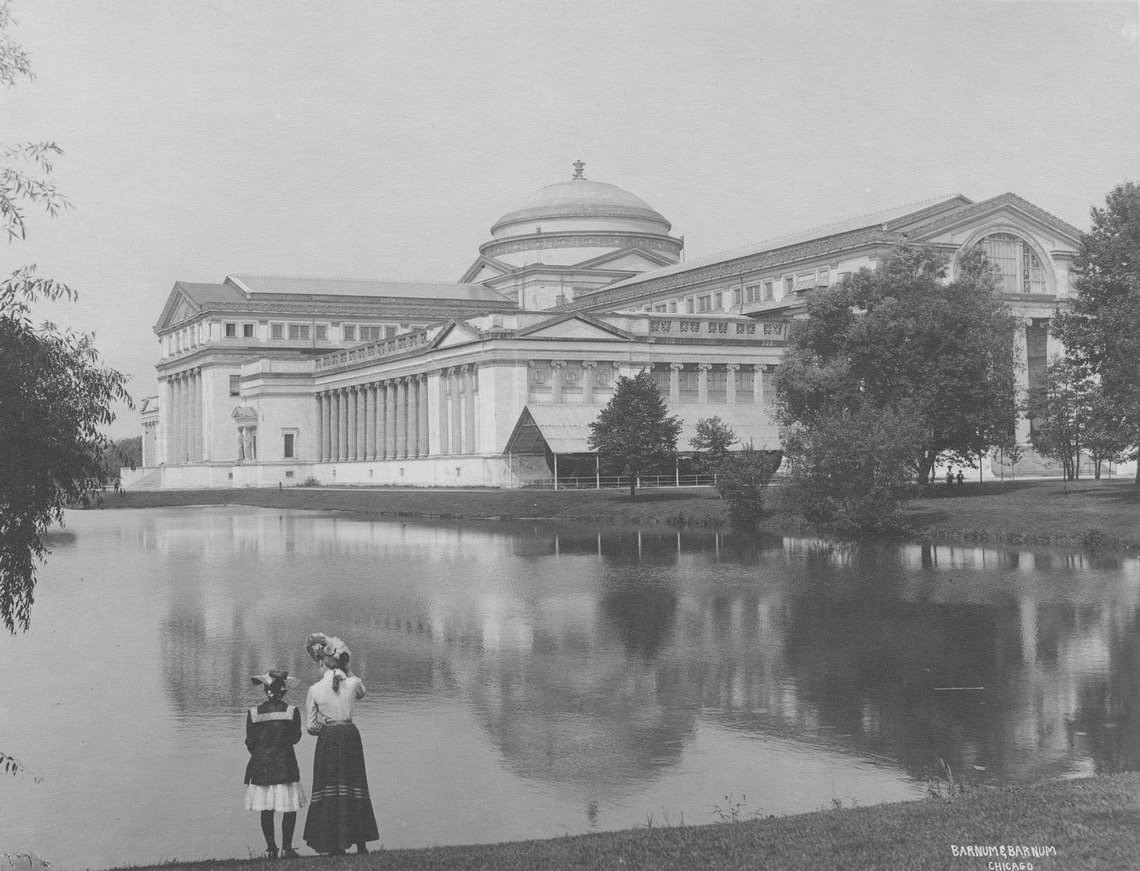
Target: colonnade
[[458, 407], [381, 420], [759, 375], [183, 434]]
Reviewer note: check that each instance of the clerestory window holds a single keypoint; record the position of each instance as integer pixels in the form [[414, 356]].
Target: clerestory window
[[1020, 268]]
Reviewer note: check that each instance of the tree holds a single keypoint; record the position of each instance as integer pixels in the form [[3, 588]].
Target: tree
[[635, 432], [1059, 409], [54, 392], [903, 339], [849, 471], [1102, 331], [715, 438], [742, 477]]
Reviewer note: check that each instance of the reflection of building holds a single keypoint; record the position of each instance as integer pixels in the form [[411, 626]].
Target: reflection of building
[[270, 379]]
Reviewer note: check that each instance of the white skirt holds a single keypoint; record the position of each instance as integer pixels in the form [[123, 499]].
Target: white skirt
[[281, 797]]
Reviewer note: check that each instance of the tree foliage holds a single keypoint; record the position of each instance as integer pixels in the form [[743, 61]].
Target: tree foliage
[[1101, 333], [741, 479], [635, 433], [54, 392], [848, 472], [714, 438], [903, 340]]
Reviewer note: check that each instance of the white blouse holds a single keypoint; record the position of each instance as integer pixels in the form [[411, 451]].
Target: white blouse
[[322, 705]]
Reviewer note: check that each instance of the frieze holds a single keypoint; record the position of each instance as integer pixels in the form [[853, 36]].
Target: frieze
[[558, 240]]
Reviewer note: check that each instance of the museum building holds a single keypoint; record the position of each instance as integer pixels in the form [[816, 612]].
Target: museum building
[[487, 382]]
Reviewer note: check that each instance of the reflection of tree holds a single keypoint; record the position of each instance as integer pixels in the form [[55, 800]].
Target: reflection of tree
[[643, 618], [1108, 713]]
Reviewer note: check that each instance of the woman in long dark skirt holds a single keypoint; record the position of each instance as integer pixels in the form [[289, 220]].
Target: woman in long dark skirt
[[340, 808]]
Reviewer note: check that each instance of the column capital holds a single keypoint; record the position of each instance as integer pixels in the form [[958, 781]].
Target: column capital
[[589, 364], [731, 367], [557, 364], [704, 367], [676, 367]]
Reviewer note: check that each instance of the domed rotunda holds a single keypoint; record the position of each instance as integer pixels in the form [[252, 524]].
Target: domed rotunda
[[572, 238]]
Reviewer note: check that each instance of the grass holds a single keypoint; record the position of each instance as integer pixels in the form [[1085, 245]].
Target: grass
[[1088, 514], [1092, 825]]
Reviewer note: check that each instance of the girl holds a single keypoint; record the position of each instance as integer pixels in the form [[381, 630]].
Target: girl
[[272, 776], [341, 811]]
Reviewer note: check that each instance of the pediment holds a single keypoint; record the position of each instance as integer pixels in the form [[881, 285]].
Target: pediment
[[1008, 214], [575, 327], [456, 333], [179, 307], [631, 259], [484, 269]]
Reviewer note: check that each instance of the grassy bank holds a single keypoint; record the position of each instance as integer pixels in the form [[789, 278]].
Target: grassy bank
[[1091, 514], [1091, 824]]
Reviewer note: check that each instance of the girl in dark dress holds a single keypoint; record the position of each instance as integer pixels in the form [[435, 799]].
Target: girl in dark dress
[[340, 814], [273, 780]]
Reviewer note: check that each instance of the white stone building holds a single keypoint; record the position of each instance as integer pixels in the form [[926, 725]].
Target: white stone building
[[268, 380]]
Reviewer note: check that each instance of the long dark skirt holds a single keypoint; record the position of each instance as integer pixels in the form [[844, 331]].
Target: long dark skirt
[[340, 810]]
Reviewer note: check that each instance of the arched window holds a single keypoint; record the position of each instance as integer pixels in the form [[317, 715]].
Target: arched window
[[1020, 267]]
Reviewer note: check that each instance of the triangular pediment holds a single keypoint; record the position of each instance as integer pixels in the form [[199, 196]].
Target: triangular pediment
[[484, 269], [631, 258], [179, 307], [576, 326], [455, 333], [1005, 213]]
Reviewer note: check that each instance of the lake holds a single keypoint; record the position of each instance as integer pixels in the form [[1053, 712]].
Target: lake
[[529, 681]]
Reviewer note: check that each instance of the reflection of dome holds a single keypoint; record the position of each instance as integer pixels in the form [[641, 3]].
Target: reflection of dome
[[591, 204]]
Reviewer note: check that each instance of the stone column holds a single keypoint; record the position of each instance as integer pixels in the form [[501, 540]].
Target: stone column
[[183, 417], [472, 408], [370, 421], [334, 425], [703, 382], [1021, 358], [588, 367], [730, 382], [381, 419], [390, 423], [401, 418], [456, 412], [444, 412], [675, 382], [361, 428], [757, 384], [556, 373], [425, 446], [199, 418], [344, 419], [326, 426], [413, 416]]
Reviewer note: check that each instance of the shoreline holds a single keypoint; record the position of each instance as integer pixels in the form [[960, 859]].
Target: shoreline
[[1076, 825], [1086, 515]]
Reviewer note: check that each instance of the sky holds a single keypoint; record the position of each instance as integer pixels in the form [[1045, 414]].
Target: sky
[[383, 139]]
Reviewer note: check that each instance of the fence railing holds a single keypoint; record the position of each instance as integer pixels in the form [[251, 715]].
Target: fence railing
[[603, 482]]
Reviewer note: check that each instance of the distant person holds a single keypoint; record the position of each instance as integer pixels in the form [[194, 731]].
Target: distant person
[[340, 813], [960, 478], [273, 780], [950, 476]]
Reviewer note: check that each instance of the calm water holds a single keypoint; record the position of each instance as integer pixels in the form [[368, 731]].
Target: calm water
[[526, 682]]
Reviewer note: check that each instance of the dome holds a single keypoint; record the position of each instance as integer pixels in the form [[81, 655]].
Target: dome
[[582, 199]]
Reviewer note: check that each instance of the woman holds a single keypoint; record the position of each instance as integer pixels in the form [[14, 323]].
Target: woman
[[340, 808]]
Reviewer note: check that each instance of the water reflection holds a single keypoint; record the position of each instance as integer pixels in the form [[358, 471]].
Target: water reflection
[[522, 671]]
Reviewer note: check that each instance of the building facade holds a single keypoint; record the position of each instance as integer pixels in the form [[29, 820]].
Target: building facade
[[268, 380]]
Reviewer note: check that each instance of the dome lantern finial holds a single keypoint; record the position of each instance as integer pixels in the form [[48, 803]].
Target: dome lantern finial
[[578, 167]]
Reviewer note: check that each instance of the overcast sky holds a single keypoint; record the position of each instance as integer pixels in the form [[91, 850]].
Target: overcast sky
[[382, 139]]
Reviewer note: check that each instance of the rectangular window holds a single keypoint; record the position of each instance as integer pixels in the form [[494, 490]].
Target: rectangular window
[[718, 301], [247, 331], [824, 277], [736, 297], [673, 307], [389, 332], [752, 293], [289, 437], [298, 331], [277, 331], [369, 334], [322, 332], [235, 385], [231, 331], [705, 303], [769, 290], [661, 308], [789, 286], [690, 305], [349, 332]]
